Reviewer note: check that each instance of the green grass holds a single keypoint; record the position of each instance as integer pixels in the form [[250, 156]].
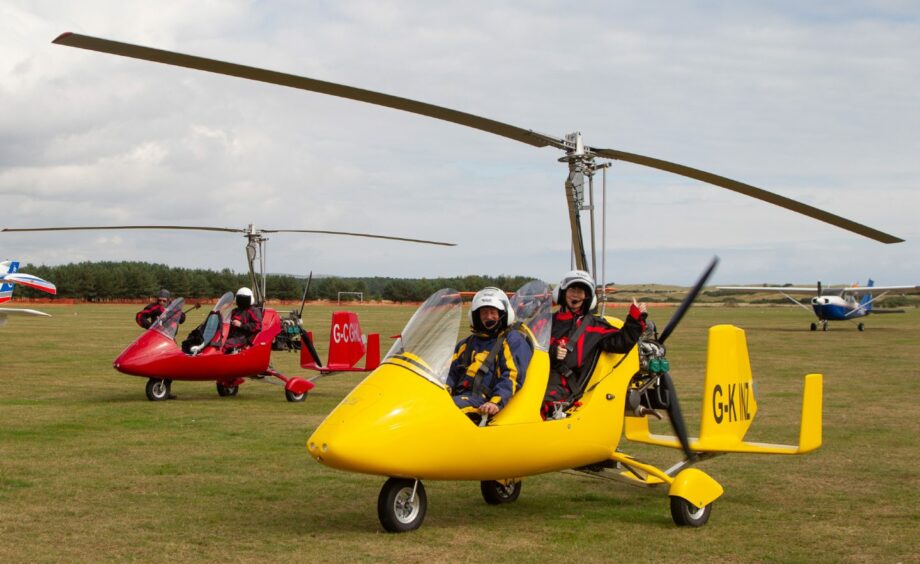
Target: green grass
[[90, 470]]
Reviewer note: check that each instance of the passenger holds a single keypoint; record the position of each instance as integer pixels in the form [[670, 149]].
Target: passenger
[[577, 335], [488, 366], [149, 314], [245, 322]]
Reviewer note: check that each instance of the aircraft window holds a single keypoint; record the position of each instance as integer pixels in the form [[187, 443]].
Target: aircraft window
[[168, 322], [426, 344]]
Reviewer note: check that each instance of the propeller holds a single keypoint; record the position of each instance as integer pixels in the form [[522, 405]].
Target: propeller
[[688, 301], [571, 144], [666, 383], [820, 290], [306, 290]]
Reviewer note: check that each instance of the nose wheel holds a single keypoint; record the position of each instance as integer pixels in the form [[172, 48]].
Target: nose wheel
[[401, 505], [158, 390]]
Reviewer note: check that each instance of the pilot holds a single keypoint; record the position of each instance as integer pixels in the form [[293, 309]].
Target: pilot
[[489, 365], [149, 314], [245, 322], [577, 335]]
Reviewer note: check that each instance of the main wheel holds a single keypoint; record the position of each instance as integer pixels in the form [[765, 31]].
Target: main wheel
[[398, 509], [860, 326], [685, 514], [814, 326], [225, 391], [291, 396], [496, 493], [157, 390]]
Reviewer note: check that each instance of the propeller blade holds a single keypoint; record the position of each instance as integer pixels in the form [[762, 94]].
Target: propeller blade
[[688, 301], [310, 84], [352, 234], [675, 414], [306, 290], [820, 290], [751, 191]]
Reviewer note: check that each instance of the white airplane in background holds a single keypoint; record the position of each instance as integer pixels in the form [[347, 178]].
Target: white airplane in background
[[844, 304], [10, 275]]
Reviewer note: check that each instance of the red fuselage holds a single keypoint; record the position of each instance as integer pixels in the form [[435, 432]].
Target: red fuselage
[[154, 355]]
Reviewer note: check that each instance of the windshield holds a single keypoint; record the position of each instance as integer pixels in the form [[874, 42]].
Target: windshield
[[426, 344], [219, 315], [168, 322], [533, 305]]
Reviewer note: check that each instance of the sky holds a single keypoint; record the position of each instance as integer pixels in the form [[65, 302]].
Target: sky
[[816, 101]]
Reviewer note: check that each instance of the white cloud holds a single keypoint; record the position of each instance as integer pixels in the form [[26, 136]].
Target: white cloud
[[815, 103]]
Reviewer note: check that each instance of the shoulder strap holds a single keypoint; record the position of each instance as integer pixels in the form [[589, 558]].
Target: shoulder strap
[[576, 334], [490, 360]]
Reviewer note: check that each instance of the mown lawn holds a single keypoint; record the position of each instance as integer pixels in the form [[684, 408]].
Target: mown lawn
[[90, 470]]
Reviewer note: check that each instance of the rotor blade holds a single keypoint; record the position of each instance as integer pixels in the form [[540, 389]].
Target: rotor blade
[[303, 83], [676, 415], [751, 191], [351, 234], [688, 301], [101, 227]]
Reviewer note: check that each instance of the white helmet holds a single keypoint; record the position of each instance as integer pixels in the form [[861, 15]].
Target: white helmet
[[491, 297], [576, 277], [244, 297]]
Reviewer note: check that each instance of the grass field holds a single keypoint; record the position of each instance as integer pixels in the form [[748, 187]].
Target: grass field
[[90, 470]]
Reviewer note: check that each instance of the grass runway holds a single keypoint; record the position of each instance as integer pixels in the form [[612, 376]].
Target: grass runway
[[91, 470]]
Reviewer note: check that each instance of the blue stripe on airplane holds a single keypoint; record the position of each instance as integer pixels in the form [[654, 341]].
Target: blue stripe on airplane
[[838, 313]]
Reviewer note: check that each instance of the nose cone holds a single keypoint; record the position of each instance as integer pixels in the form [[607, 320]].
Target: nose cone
[[144, 357], [391, 424]]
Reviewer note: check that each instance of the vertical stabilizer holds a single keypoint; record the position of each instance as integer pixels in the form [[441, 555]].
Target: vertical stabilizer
[[6, 289], [728, 398]]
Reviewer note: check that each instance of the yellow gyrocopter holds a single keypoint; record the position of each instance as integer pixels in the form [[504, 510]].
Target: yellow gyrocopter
[[400, 422]]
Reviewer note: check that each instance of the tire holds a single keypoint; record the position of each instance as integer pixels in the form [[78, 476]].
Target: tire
[[496, 493], [158, 390], [227, 391], [291, 396], [860, 327], [394, 509], [685, 514], [814, 326]]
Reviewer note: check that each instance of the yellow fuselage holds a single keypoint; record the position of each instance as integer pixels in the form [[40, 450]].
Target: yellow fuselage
[[397, 423]]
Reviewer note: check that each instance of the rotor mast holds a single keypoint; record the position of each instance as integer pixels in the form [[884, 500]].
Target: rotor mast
[[255, 252], [581, 167]]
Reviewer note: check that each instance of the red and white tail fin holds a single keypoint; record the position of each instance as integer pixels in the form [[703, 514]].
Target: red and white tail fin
[[6, 288], [9, 276], [347, 344]]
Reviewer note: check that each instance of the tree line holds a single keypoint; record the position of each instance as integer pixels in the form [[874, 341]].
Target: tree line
[[115, 281]]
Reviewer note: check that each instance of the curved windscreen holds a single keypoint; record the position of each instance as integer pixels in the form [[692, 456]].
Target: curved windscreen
[[426, 344], [219, 315], [168, 322], [533, 304]]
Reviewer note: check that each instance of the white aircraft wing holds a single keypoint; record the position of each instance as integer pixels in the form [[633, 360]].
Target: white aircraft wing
[[4, 311], [872, 290], [778, 289]]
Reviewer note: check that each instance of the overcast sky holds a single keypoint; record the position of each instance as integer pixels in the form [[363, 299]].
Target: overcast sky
[[817, 101]]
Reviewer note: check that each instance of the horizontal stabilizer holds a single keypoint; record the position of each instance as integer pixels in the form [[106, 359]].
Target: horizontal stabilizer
[[637, 430]]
